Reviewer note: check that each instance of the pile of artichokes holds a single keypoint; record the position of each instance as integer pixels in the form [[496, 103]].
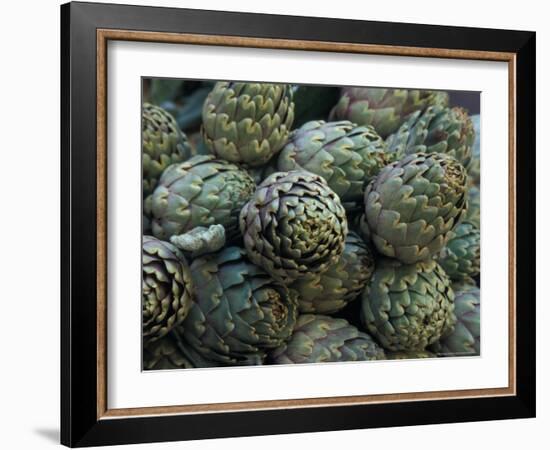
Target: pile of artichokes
[[287, 224]]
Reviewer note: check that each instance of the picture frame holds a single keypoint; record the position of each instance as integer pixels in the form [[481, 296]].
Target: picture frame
[[86, 29]]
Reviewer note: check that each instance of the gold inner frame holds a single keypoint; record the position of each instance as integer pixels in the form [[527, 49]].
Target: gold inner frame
[[103, 36]]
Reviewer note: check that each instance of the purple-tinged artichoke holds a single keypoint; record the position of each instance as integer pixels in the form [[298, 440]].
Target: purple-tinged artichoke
[[163, 143], [166, 288], [436, 130], [413, 205], [407, 307], [384, 109], [418, 354], [164, 354], [201, 191], [332, 290], [239, 311], [247, 123], [474, 207], [294, 226], [460, 258], [464, 338], [319, 339], [347, 156]]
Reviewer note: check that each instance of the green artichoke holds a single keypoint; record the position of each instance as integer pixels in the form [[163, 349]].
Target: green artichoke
[[247, 122], [464, 339], [475, 165], [164, 354], [408, 306], [412, 206], [474, 170], [418, 354], [332, 290], [166, 288], [473, 212], [163, 143], [319, 339], [201, 191], [460, 257], [436, 130], [294, 226], [359, 225], [345, 155], [384, 109], [239, 311]]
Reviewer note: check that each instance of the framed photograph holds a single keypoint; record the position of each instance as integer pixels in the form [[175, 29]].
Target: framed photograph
[[278, 224]]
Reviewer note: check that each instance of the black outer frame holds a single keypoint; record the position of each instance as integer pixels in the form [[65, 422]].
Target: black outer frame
[[79, 423]]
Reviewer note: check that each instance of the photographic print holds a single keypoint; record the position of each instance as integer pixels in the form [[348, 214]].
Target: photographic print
[[291, 223], [307, 228]]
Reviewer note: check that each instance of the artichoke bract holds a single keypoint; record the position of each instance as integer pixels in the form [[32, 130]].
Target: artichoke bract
[[239, 311], [419, 354], [474, 169], [201, 191], [294, 225], [347, 156], [384, 109], [474, 205], [436, 130], [332, 290], [319, 339], [164, 354], [412, 206], [247, 123], [166, 288], [464, 339], [460, 257], [408, 306], [163, 143]]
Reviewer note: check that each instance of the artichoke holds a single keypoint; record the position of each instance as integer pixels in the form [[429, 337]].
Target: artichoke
[[201, 191], [163, 143], [419, 354], [436, 130], [474, 171], [345, 155], [247, 122], [238, 313], [166, 288], [294, 226], [464, 339], [413, 204], [332, 290], [460, 257], [474, 168], [384, 109], [164, 354], [474, 205], [407, 307], [319, 339]]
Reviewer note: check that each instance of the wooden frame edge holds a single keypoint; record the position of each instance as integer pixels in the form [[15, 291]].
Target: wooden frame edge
[[289, 44], [304, 403], [512, 275], [101, 225], [103, 36]]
